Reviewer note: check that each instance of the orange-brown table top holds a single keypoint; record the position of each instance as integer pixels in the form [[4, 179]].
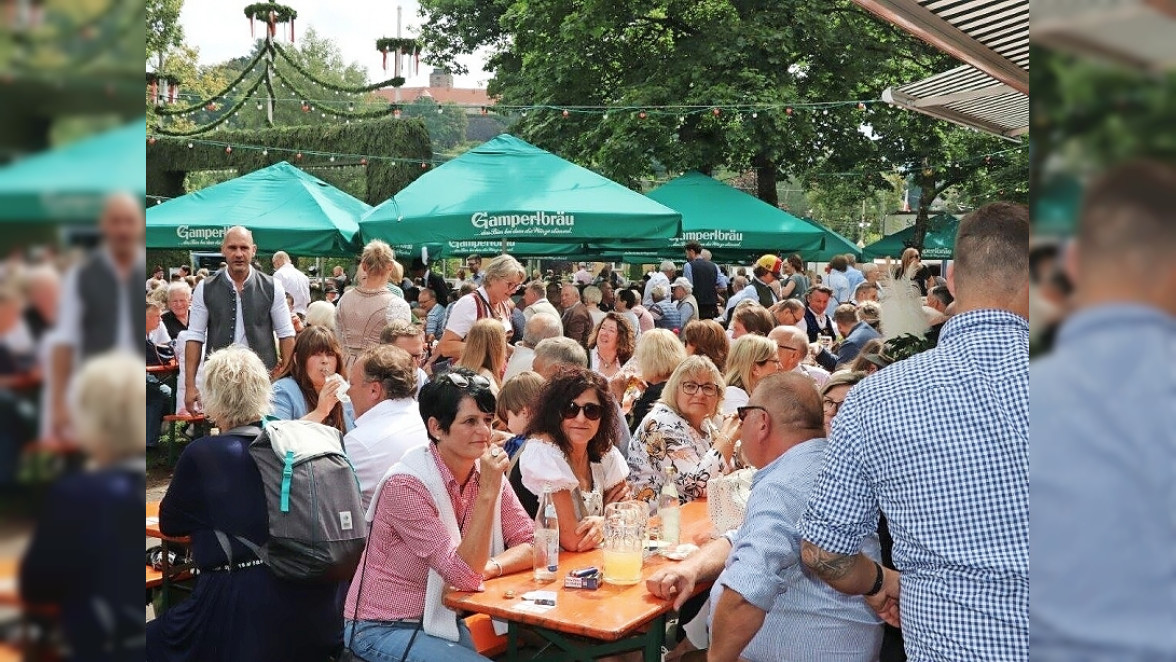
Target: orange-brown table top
[[608, 613], [9, 589], [165, 368]]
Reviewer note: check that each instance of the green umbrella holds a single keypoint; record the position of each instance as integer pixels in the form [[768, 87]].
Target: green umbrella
[[285, 208], [452, 249], [835, 244], [509, 189], [71, 183], [938, 243], [1057, 206], [727, 221]]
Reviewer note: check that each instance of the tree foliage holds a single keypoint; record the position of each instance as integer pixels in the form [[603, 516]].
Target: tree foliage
[[164, 31], [748, 58]]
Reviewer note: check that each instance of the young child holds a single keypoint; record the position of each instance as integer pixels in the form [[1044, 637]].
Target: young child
[[516, 405]]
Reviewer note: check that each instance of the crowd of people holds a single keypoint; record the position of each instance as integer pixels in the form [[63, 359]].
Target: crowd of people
[[460, 409]]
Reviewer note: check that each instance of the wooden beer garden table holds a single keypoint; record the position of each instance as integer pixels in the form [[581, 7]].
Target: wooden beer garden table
[[168, 574], [618, 618]]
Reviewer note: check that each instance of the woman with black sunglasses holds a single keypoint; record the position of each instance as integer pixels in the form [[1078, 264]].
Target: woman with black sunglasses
[[571, 449]]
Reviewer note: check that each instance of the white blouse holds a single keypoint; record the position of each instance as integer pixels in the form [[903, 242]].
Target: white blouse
[[542, 463], [733, 398]]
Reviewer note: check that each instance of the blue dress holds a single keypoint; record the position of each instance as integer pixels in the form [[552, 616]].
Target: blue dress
[[246, 614], [78, 559]]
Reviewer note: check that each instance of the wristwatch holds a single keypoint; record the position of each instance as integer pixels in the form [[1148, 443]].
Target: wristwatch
[[877, 581]]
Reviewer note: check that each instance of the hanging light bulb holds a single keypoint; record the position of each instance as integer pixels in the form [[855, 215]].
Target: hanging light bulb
[[259, 105], [332, 159], [265, 152], [754, 115], [190, 145], [228, 149]]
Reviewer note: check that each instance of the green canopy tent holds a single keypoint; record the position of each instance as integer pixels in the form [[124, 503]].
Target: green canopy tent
[[730, 223], [938, 244], [834, 244], [507, 189], [1057, 207], [71, 183], [284, 207]]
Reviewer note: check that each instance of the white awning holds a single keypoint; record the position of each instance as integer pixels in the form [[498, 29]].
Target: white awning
[[1136, 33], [991, 38]]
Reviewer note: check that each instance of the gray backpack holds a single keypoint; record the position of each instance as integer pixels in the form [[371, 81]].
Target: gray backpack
[[316, 523]]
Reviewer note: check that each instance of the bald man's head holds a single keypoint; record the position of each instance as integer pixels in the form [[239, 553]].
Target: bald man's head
[[123, 225], [238, 249]]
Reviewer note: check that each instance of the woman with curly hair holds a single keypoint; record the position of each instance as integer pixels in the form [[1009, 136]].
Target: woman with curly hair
[[611, 345], [571, 450]]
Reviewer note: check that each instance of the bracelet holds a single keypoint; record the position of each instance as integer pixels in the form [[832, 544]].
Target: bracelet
[[496, 565], [877, 581]]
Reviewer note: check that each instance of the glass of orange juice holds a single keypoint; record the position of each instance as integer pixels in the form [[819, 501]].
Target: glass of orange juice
[[624, 542]]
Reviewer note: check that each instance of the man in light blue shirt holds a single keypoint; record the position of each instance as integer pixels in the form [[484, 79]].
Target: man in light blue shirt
[[764, 605], [1104, 446]]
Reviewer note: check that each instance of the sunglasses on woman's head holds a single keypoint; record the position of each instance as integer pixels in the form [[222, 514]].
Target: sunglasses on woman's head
[[592, 411], [461, 381]]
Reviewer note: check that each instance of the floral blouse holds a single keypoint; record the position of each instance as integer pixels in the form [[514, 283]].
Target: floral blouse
[[664, 438]]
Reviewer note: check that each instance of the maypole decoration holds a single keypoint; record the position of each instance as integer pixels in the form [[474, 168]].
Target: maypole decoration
[[406, 54], [271, 14]]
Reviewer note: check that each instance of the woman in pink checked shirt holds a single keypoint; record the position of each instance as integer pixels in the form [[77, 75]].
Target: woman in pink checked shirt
[[442, 516]]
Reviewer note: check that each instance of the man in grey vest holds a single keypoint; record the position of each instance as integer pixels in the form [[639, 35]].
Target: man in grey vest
[[101, 304], [237, 305]]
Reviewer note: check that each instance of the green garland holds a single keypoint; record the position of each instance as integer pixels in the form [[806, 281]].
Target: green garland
[[260, 11], [219, 95], [391, 82], [169, 158], [338, 112], [218, 121], [398, 44]]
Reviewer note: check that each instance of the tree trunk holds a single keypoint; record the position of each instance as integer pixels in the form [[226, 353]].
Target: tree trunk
[[765, 179], [927, 194]]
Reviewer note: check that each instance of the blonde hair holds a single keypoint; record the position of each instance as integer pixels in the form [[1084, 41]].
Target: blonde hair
[[746, 352], [103, 397], [321, 313], [658, 352], [503, 267], [236, 387], [485, 348], [378, 258], [692, 366]]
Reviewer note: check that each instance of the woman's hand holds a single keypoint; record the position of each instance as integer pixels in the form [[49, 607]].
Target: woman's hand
[[492, 464], [618, 492], [328, 396], [591, 533], [726, 435]]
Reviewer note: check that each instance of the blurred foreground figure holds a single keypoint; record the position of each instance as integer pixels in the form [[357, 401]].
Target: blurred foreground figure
[[1104, 447], [100, 301], [75, 560]]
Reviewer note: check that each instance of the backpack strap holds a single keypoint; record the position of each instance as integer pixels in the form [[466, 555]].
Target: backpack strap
[[287, 478]]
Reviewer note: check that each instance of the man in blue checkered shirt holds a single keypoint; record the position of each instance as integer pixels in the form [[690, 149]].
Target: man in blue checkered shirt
[[940, 443]]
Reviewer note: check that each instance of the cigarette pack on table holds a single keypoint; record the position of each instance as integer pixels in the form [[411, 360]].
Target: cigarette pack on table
[[586, 578]]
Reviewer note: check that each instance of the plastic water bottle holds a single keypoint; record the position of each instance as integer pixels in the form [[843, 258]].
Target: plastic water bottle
[[545, 559], [669, 509]]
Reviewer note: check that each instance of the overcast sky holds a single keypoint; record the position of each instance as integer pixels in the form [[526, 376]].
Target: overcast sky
[[219, 29]]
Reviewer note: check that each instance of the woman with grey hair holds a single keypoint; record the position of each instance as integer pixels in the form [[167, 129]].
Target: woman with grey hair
[[238, 610], [501, 278], [72, 561]]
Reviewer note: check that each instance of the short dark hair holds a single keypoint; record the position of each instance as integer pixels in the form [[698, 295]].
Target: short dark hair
[[942, 293], [1128, 212], [838, 263], [393, 368], [992, 248], [628, 296], [564, 387], [694, 247], [441, 398]]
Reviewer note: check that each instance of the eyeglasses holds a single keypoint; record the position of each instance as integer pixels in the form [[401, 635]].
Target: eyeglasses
[[742, 412], [461, 381], [794, 349], [771, 360], [830, 404], [709, 390], [592, 411]]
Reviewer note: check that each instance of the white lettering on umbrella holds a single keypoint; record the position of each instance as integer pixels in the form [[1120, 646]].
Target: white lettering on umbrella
[[715, 236], [190, 235], [539, 222]]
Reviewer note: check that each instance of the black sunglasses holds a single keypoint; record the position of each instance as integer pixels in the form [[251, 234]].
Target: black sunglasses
[[461, 381], [592, 411], [743, 411]]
